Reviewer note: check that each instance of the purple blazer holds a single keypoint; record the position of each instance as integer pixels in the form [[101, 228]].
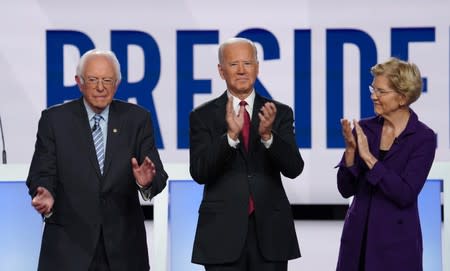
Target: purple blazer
[[385, 198]]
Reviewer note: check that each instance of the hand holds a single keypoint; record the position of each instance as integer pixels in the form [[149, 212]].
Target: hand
[[350, 142], [43, 201], [266, 118], [143, 173], [363, 146], [235, 123]]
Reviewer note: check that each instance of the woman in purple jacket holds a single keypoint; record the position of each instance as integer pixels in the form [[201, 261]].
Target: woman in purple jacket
[[385, 164]]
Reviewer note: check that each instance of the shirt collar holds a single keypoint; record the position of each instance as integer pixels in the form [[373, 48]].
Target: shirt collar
[[250, 100], [91, 113]]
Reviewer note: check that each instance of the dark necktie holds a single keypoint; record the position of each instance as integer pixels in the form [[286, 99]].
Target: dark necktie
[[245, 137]]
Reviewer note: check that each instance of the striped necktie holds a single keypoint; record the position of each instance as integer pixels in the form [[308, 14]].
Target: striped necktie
[[97, 136]]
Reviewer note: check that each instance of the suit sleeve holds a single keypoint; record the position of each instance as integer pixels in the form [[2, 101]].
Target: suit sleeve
[[284, 152], [209, 151], [147, 147], [347, 179], [43, 169]]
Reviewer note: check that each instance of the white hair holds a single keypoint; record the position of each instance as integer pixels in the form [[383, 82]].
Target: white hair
[[106, 53], [237, 40]]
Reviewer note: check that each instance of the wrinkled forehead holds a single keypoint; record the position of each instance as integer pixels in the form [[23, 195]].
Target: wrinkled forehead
[[99, 64], [235, 51]]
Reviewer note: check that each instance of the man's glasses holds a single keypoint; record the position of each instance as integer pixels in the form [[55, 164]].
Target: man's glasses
[[93, 81], [379, 92]]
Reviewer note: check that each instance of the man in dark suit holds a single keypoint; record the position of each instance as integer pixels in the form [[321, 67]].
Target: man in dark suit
[[91, 157], [245, 219]]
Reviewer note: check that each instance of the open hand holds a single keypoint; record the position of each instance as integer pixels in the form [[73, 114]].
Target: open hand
[[234, 122], [143, 173], [266, 116]]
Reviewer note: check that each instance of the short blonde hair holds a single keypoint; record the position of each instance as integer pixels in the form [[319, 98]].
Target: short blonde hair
[[404, 77]]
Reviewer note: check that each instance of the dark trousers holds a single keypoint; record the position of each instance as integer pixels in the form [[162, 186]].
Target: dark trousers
[[100, 260], [251, 258]]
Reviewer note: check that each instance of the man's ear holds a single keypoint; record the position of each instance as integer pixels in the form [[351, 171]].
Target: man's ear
[[219, 67], [79, 80]]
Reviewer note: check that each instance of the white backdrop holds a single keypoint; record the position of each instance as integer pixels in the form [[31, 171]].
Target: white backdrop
[[25, 24]]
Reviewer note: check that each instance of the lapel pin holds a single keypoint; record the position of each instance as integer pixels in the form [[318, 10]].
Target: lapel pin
[[114, 130]]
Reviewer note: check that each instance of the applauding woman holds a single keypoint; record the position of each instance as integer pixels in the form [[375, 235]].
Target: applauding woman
[[385, 164]]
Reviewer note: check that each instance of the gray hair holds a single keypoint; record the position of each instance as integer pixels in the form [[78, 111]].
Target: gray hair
[[106, 53], [237, 40]]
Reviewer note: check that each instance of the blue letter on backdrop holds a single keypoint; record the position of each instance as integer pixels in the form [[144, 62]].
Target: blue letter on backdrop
[[271, 50], [302, 87], [56, 91], [335, 78], [401, 37], [141, 90], [187, 86]]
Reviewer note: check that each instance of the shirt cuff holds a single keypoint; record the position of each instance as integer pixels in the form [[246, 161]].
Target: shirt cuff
[[233, 143], [146, 192], [267, 143]]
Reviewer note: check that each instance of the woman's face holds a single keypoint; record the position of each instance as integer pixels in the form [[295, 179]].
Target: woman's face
[[386, 100]]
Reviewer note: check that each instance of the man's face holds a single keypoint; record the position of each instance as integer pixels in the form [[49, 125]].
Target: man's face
[[239, 68], [98, 83]]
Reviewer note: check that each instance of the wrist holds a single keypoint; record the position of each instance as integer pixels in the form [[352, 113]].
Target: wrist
[[232, 135], [266, 137]]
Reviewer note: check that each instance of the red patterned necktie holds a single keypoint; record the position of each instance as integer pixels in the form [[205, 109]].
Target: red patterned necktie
[[245, 137], [246, 127]]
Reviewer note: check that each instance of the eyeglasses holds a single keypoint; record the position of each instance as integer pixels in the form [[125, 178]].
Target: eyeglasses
[[379, 92], [93, 81]]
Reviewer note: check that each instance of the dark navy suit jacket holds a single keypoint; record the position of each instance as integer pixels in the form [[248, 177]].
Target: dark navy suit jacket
[[230, 174], [86, 202], [386, 198]]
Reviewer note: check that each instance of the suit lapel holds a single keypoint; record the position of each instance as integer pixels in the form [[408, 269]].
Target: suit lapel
[[220, 113], [409, 129], [82, 121], [376, 128], [114, 130]]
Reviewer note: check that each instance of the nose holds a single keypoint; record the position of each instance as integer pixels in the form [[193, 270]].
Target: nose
[[241, 68], [373, 96], [100, 86]]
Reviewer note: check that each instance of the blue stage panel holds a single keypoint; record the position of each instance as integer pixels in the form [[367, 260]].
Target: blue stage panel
[[184, 200], [430, 221], [20, 228]]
